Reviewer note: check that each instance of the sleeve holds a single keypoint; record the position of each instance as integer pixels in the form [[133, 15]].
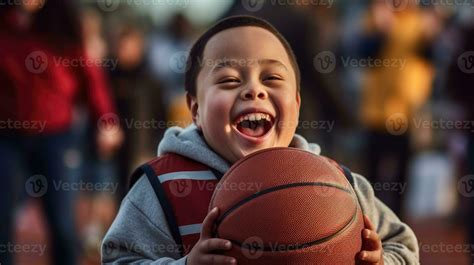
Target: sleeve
[[134, 238], [398, 240], [99, 93]]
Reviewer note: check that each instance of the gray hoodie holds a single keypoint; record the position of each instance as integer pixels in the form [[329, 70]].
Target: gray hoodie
[[140, 234]]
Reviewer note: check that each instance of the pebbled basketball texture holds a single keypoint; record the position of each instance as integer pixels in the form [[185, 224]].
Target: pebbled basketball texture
[[288, 206]]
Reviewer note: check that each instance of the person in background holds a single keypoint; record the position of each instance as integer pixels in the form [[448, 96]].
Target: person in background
[[392, 94], [167, 60], [40, 86], [98, 168], [139, 99]]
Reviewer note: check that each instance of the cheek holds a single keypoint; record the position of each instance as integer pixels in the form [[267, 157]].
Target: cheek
[[217, 112], [289, 111]]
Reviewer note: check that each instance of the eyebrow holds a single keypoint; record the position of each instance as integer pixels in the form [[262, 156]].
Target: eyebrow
[[236, 62]]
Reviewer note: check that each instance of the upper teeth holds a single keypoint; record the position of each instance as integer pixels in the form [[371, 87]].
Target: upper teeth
[[254, 117]]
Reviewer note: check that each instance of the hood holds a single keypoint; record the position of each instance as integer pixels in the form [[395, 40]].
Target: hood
[[189, 142]]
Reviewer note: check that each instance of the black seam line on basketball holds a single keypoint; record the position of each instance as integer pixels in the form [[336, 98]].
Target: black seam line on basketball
[[277, 188], [293, 247]]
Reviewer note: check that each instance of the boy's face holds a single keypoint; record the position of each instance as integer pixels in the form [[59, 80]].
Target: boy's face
[[247, 98]]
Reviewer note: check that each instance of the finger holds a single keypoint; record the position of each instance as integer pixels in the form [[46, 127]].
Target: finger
[[371, 240], [213, 244], [208, 223], [368, 223], [370, 256], [217, 259]]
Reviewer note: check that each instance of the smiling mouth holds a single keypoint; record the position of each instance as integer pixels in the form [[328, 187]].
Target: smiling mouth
[[254, 124]]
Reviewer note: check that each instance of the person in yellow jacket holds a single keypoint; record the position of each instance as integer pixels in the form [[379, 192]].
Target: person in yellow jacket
[[392, 93]]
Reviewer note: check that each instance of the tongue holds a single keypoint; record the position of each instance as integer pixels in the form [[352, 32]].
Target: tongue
[[257, 132]]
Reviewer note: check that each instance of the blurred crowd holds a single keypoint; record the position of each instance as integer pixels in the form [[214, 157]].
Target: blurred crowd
[[88, 88]]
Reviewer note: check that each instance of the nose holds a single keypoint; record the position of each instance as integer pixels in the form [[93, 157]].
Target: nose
[[253, 91]]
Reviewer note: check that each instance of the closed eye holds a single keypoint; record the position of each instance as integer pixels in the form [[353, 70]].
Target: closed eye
[[229, 80], [274, 77]]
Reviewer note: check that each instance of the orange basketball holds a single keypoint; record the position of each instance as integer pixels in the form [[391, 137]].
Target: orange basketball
[[288, 206]]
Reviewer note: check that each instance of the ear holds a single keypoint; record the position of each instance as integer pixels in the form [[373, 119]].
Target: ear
[[192, 103]]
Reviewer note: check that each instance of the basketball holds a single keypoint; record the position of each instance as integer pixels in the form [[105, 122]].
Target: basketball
[[288, 206]]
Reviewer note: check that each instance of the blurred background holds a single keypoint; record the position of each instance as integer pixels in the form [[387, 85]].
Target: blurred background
[[87, 88]]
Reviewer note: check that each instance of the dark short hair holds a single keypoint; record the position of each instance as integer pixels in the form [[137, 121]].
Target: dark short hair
[[193, 65]]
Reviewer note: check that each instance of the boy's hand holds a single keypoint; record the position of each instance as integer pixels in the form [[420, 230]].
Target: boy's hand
[[202, 252], [372, 251]]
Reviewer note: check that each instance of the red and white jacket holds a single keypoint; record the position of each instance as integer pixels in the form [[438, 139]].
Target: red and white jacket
[[184, 189]]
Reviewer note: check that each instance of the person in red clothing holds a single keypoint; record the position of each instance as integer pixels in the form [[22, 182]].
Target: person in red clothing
[[43, 72]]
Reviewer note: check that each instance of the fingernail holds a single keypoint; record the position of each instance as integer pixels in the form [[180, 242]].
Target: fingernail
[[228, 244], [363, 255], [232, 261], [214, 209], [367, 234]]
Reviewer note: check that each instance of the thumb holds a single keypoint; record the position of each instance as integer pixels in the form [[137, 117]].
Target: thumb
[[208, 223]]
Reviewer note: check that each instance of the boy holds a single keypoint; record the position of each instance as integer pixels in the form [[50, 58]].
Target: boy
[[242, 85]]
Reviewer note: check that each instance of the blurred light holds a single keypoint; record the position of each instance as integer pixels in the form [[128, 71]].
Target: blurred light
[[199, 12]]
